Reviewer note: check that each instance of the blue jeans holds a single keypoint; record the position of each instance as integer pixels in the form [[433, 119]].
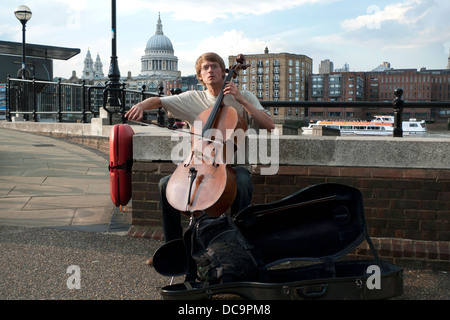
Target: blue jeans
[[171, 217]]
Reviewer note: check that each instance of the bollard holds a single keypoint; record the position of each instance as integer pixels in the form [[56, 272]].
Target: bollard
[[175, 123], [398, 113], [160, 114]]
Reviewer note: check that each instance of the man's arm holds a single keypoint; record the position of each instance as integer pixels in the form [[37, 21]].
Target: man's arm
[[263, 120], [137, 111]]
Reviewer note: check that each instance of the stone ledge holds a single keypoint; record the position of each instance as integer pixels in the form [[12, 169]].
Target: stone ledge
[[153, 143], [344, 151]]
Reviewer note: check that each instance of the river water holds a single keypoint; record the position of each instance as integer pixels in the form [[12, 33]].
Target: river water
[[437, 134]]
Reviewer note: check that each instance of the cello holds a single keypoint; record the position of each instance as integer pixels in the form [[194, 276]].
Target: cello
[[204, 182]]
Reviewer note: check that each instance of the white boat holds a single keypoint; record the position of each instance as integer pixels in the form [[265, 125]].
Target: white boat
[[380, 125]]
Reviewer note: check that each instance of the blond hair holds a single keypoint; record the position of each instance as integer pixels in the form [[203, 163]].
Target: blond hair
[[209, 56]]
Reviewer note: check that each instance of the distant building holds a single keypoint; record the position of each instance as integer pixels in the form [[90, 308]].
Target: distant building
[[383, 67], [418, 86], [159, 67], [159, 61], [448, 61], [326, 67], [277, 77], [337, 86], [345, 68], [39, 59], [92, 71], [98, 68]]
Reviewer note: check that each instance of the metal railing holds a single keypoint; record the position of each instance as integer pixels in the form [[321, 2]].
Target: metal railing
[[66, 102], [46, 101], [37, 100]]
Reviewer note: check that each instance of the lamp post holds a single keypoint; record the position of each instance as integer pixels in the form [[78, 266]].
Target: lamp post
[[114, 73], [23, 14]]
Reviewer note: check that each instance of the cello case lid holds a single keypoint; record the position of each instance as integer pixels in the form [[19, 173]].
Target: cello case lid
[[321, 222]]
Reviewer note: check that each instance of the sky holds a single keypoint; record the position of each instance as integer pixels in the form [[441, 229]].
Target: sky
[[363, 34]]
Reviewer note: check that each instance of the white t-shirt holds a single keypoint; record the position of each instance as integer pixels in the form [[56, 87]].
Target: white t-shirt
[[188, 105]]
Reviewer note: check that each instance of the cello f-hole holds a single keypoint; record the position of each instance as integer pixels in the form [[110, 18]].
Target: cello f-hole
[[187, 164]]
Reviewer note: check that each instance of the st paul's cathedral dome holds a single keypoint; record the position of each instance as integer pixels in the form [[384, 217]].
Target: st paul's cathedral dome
[[159, 60]]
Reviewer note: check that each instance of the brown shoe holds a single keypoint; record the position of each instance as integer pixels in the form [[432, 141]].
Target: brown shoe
[[149, 262]]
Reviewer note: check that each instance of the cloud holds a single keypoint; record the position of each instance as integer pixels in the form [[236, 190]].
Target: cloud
[[210, 11], [75, 5], [12, 32], [231, 42], [407, 13], [397, 29]]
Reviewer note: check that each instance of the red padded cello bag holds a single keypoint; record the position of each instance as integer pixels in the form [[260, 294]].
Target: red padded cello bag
[[120, 163]]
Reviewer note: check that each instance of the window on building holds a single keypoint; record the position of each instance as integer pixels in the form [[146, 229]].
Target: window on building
[[334, 114]]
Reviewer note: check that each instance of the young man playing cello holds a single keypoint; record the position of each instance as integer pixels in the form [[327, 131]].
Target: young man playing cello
[[210, 69]]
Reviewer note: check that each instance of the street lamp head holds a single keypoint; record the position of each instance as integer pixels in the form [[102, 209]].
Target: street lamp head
[[23, 13]]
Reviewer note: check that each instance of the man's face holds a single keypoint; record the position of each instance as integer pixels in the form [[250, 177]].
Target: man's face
[[211, 73]]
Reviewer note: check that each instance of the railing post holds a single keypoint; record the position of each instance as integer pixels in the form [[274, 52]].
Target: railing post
[[83, 102], [59, 96], [35, 119], [123, 103], [172, 121], [144, 87], [143, 91], [23, 107], [160, 117], [8, 100], [398, 113]]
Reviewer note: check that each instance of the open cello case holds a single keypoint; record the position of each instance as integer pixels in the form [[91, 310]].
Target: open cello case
[[300, 243]]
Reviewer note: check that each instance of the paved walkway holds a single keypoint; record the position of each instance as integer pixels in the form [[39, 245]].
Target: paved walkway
[[56, 212], [48, 182]]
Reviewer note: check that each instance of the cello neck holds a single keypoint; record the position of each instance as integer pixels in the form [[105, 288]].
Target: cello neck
[[232, 72], [212, 117]]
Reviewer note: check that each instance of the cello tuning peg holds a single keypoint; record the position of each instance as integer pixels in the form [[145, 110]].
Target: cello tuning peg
[[240, 58]]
